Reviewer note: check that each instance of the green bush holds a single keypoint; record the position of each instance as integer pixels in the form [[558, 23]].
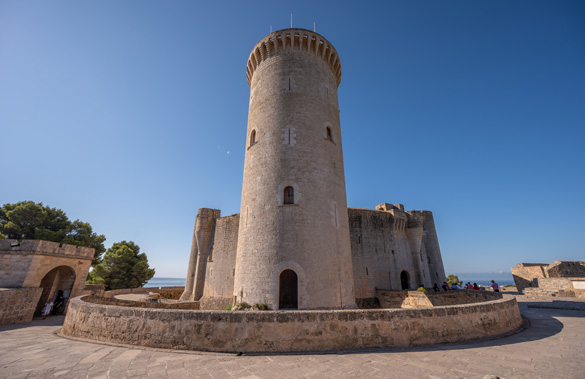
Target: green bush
[[229, 307], [241, 307], [262, 307]]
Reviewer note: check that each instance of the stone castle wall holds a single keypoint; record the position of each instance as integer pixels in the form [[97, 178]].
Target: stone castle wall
[[380, 251], [24, 263], [388, 241], [18, 304], [524, 273], [221, 263], [542, 275], [50, 265], [270, 331], [381, 247], [566, 269]]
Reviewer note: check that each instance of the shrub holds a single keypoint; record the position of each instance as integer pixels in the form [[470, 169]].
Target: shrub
[[261, 307], [242, 306]]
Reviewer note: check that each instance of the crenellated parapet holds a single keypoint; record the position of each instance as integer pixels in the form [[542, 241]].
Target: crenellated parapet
[[42, 247], [294, 39]]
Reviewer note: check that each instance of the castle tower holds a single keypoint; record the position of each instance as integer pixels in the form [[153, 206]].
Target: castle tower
[[293, 239]]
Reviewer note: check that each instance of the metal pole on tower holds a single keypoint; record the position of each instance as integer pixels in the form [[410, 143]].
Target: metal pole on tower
[[291, 20]]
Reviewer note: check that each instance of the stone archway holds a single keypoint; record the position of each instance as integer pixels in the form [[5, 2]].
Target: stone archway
[[59, 280], [404, 280], [288, 297]]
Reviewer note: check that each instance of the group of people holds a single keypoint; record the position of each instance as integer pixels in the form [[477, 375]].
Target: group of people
[[467, 286], [54, 308]]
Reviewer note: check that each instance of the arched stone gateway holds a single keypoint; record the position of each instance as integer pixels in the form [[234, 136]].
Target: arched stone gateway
[[404, 280], [288, 297], [38, 270], [58, 281]]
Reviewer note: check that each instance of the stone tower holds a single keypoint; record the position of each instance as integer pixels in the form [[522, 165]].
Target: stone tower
[[293, 247]]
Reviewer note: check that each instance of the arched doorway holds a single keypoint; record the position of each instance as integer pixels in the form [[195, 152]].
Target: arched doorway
[[288, 290], [404, 280], [58, 281]]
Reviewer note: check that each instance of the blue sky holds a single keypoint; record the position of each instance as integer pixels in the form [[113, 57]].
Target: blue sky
[[132, 115]]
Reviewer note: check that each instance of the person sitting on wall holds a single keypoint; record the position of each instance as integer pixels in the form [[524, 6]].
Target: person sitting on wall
[[455, 286], [475, 286], [445, 286], [421, 288], [495, 286], [436, 287]]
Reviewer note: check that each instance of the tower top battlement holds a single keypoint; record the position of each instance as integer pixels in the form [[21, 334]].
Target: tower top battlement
[[293, 39]]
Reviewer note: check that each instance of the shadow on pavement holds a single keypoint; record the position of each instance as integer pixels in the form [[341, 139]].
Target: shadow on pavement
[[37, 321]]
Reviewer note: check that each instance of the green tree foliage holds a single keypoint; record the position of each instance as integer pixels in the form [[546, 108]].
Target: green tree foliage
[[452, 279], [123, 266], [29, 220]]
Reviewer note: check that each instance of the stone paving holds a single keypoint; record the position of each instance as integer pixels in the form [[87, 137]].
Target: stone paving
[[553, 346]]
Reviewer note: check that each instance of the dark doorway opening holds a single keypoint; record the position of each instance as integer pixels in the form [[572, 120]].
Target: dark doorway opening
[[288, 290], [57, 282], [404, 280]]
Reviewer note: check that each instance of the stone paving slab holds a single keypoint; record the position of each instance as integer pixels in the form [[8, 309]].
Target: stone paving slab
[[553, 346]]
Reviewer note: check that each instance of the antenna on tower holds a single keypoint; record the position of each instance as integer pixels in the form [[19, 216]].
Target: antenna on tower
[[291, 20], [313, 25], [270, 28]]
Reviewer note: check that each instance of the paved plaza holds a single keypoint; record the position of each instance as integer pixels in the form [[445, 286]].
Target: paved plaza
[[552, 346]]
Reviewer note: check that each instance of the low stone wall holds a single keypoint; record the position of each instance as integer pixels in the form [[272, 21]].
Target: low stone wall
[[192, 305], [18, 304], [415, 299], [553, 292], [557, 283], [94, 289], [215, 303], [123, 291], [287, 331], [171, 293]]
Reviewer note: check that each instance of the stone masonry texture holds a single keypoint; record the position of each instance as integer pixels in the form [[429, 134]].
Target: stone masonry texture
[[294, 120], [18, 304], [50, 266], [275, 331]]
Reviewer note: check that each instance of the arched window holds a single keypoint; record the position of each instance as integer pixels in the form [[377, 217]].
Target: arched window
[[253, 137], [289, 195], [329, 135]]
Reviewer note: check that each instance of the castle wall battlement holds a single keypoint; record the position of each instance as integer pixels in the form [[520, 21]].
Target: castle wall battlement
[[294, 39], [41, 247], [384, 242]]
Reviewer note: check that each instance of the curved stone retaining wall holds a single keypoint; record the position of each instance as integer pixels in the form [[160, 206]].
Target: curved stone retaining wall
[[278, 331]]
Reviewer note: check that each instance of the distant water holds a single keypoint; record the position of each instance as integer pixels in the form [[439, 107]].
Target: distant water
[[165, 282], [485, 279]]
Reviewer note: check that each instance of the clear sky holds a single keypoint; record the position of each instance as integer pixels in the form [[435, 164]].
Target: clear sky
[[131, 115]]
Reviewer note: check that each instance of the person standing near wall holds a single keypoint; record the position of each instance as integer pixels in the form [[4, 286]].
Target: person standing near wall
[[495, 286]]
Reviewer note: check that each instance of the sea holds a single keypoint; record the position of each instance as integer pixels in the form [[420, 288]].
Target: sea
[[165, 282], [483, 279]]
